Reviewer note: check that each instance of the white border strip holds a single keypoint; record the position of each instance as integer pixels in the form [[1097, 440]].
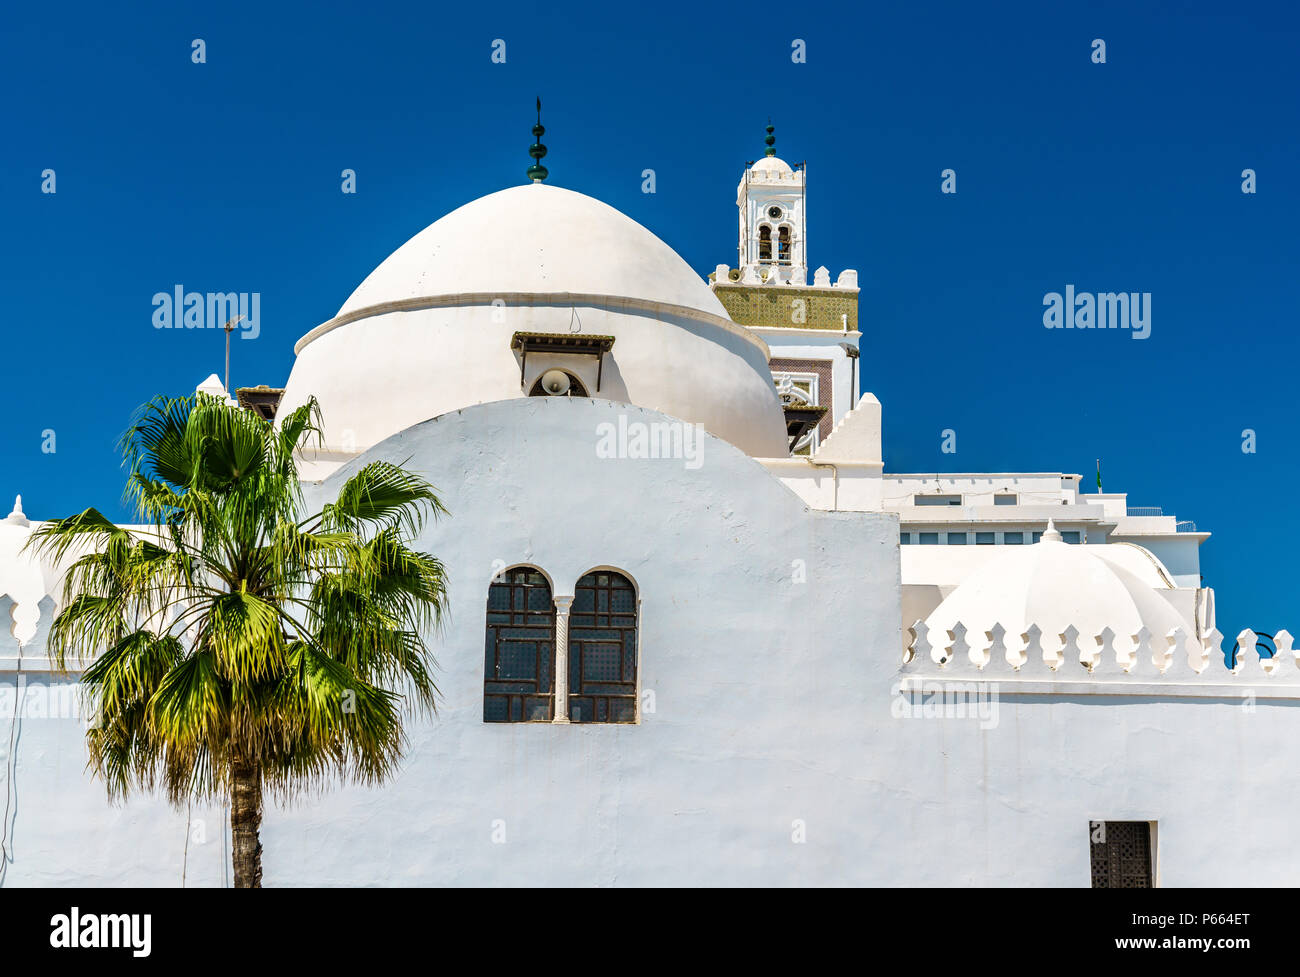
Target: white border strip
[[528, 299]]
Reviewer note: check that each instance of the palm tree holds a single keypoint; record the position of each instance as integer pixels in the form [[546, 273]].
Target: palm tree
[[240, 644]]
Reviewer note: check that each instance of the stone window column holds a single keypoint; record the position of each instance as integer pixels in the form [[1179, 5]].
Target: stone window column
[[562, 605]]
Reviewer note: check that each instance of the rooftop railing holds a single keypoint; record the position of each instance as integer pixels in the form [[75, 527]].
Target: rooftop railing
[[1070, 661]]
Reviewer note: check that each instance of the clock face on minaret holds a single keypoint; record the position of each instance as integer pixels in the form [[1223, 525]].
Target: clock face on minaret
[[774, 213]]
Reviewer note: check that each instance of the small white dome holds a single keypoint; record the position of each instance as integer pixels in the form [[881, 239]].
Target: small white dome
[[771, 166], [1055, 585]]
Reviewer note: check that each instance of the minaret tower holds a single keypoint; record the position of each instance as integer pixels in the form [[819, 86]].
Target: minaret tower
[[772, 216], [810, 327]]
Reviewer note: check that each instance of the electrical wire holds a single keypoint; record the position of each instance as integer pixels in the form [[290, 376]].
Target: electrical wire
[[11, 772], [185, 858]]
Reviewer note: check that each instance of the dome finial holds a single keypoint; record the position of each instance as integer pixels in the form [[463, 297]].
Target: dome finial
[[17, 516], [770, 140], [1051, 536], [537, 172]]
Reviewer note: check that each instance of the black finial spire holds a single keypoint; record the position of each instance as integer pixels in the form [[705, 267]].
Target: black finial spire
[[537, 172], [770, 140]]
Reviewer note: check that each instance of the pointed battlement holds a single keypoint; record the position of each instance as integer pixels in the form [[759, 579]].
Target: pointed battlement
[[1036, 662], [27, 655]]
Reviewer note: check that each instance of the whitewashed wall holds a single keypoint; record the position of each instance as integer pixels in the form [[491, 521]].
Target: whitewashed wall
[[773, 716]]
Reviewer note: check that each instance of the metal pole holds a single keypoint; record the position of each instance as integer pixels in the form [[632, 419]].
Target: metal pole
[[230, 327], [743, 250], [803, 216]]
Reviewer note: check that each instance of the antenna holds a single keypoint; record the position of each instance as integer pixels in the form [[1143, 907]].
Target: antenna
[[230, 327], [803, 215], [745, 251]]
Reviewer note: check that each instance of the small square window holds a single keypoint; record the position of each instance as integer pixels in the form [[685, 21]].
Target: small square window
[[1004, 500], [956, 539], [985, 539], [1070, 537], [929, 539], [1013, 539], [904, 538], [1037, 537], [936, 500], [1120, 854]]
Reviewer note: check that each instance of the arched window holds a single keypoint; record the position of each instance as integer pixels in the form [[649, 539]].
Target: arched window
[[764, 243], [602, 650], [519, 670], [783, 245]]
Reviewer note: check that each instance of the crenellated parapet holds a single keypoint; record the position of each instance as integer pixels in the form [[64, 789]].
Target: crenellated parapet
[[1070, 662], [28, 655]]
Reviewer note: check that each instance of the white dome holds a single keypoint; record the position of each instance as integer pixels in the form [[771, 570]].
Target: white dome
[[433, 328], [535, 238], [771, 165], [1055, 585]]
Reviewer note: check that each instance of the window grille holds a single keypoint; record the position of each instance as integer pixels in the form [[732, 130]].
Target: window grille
[[603, 650], [519, 667], [1121, 854]]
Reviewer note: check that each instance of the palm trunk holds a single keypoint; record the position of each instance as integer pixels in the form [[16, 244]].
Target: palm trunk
[[245, 820]]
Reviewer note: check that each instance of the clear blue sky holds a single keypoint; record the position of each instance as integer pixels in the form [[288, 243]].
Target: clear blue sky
[[1123, 176]]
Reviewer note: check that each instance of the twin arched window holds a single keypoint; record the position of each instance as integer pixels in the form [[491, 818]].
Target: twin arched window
[[598, 633], [782, 243]]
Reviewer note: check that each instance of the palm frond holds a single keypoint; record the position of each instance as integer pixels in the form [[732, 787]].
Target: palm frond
[[382, 493]]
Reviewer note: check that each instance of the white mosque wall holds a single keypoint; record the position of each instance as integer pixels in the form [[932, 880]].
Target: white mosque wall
[[63, 831], [830, 486], [893, 798], [780, 748], [979, 489]]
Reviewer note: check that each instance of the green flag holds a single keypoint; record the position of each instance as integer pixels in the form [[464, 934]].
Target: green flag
[[1098, 475]]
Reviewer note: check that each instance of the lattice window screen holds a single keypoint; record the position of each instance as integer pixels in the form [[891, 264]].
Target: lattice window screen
[[602, 650], [1121, 854], [519, 665]]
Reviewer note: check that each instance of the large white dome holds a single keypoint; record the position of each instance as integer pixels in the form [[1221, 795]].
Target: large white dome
[[433, 328], [535, 238]]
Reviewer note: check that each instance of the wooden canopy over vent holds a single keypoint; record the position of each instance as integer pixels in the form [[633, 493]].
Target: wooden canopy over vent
[[800, 419], [261, 399], [571, 343]]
